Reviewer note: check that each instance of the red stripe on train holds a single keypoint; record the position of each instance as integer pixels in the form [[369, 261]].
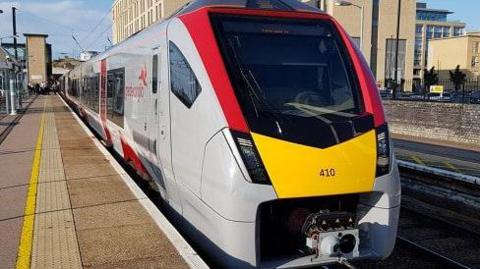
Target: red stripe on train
[[130, 155], [200, 29]]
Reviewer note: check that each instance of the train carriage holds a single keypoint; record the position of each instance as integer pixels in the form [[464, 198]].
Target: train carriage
[[261, 125]]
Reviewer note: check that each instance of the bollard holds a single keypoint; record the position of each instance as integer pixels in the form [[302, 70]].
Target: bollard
[[12, 98]]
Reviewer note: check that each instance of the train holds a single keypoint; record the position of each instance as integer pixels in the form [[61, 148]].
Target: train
[[261, 126]]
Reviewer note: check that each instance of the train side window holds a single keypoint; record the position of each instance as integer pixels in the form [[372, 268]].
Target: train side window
[[155, 73], [115, 95], [183, 82]]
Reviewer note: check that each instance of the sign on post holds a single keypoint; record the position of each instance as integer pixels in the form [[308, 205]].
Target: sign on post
[[436, 89]]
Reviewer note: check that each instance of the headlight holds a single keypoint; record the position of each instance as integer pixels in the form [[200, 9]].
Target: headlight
[[251, 158], [383, 150]]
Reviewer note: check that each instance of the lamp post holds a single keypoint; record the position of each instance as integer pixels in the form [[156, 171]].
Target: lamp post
[[341, 3], [397, 41]]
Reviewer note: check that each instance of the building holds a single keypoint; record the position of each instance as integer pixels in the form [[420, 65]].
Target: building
[[446, 53], [131, 16], [431, 23], [379, 33], [63, 66], [87, 55], [38, 58]]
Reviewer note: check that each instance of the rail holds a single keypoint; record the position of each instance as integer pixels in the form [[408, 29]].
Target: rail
[[449, 263]]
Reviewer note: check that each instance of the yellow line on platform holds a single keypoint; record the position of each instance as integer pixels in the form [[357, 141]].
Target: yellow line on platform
[[452, 167], [26, 239], [418, 160]]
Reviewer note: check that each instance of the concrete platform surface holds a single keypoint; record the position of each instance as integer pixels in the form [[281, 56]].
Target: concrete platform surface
[[65, 203]]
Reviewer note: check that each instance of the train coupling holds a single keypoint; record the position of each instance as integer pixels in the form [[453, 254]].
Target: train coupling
[[332, 234]]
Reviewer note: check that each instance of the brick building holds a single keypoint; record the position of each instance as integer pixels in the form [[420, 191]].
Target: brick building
[[38, 58], [466, 50], [379, 33]]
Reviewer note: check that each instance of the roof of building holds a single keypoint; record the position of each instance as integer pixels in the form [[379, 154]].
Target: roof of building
[[469, 34], [6, 57], [281, 5], [34, 34], [435, 10]]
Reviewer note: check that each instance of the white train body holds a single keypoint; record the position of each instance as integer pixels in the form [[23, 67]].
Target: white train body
[[164, 100]]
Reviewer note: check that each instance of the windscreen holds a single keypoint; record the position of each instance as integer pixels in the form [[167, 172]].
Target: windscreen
[[292, 78]]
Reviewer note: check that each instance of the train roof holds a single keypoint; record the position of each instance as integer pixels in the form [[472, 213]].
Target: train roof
[[279, 5]]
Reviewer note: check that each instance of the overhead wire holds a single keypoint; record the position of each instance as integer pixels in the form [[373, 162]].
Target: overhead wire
[[96, 39], [49, 20], [96, 26]]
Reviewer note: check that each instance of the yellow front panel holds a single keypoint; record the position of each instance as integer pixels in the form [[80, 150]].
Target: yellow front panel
[[302, 171]]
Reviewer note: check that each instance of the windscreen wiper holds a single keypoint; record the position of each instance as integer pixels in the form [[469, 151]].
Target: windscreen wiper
[[328, 122], [259, 103]]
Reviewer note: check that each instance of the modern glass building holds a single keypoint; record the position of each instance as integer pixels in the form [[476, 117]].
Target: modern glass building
[[431, 24]]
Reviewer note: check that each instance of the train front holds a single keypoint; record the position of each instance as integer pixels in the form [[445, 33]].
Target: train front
[[315, 133]]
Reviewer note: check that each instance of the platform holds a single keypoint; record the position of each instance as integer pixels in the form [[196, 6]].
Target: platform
[[66, 203]]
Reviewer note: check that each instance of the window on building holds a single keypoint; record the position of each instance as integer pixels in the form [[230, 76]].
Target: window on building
[[419, 29], [458, 31], [417, 60], [475, 61], [438, 32], [356, 40], [418, 43], [430, 31], [476, 47], [390, 58], [446, 31], [183, 81], [157, 13]]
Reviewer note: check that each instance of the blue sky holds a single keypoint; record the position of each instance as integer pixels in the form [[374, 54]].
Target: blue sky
[[465, 10], [61, 19], [83, 18]]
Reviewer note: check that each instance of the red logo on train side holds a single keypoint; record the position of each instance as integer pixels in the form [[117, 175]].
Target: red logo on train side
[[143, 75], [138, 91]]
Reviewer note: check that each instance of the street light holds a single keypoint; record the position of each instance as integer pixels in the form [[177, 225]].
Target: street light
[[341, 3]]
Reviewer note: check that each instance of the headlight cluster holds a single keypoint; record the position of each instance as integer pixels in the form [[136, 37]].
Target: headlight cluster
[[251, 158], [383, 150]]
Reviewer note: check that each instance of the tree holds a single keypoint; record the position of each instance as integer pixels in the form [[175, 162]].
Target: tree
[[430, 77], [457, 77]]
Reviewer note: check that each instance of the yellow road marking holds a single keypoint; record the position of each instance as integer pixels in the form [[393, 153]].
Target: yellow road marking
[[449, 165], [418, 160], [25, 247]]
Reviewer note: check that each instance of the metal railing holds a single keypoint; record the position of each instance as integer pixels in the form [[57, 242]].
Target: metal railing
[[12, 95], [417, 90]]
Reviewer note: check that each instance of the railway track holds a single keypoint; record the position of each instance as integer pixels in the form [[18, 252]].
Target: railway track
[[449, 244], [447, 262], [439, 217]]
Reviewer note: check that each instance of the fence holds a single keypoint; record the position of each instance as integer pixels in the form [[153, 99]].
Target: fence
[[5, 95], [417, 90]]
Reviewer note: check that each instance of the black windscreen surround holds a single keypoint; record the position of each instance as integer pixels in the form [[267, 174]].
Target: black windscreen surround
[[293, 79]]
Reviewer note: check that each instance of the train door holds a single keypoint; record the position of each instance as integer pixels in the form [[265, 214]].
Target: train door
[[160, 130], [103, 100]]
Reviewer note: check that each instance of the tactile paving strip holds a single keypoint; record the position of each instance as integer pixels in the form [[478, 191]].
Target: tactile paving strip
[[54, 239]]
